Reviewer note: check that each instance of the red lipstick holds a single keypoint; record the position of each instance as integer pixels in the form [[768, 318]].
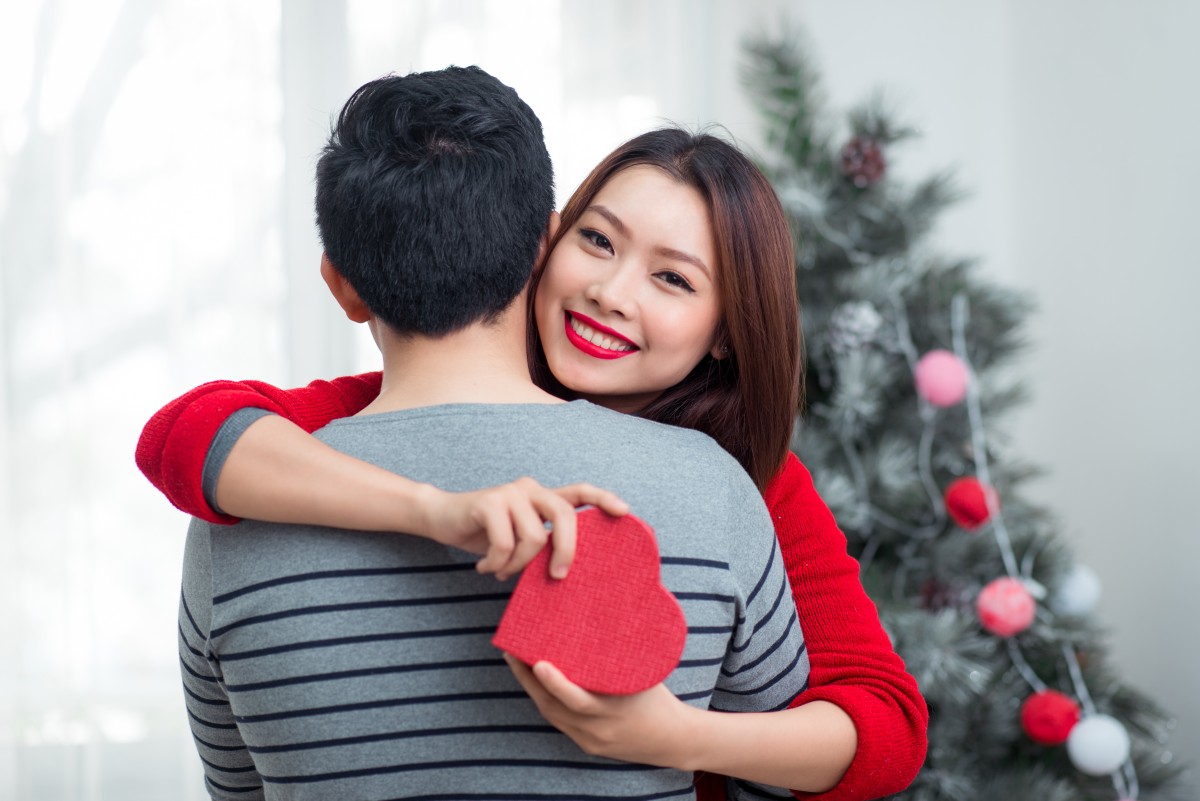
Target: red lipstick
[[590, 348]]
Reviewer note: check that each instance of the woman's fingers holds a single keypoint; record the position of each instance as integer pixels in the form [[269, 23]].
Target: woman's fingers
[[559, 510], [587, 495], [530, 532], [497, 523], [563, 532], [525, 677], [566, 692], [560, 701], [514, 517]]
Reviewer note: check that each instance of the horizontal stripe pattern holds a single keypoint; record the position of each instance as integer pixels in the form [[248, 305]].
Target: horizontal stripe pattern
[[745, 789], [684, 792], [326, 664]]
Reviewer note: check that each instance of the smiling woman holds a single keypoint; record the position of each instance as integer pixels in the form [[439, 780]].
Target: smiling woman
[[677, 244], [626, 299]]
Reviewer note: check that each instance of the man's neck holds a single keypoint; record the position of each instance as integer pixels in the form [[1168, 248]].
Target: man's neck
[[479, 364]]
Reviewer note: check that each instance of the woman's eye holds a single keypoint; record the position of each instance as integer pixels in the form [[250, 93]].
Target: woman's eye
[[676, 280], [596, 238]]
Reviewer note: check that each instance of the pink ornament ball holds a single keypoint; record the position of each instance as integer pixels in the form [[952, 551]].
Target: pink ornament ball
[[941, 378], [1005, 607], [967, 502], [1048, 717]]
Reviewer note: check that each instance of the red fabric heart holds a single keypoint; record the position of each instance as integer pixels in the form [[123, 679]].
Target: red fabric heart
[[610, 626]]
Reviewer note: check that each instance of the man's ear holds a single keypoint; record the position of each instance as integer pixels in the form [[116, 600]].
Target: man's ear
[[346, 295], [551, 229]]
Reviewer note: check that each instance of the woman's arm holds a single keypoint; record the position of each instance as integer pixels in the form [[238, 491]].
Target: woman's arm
[[858, 732], [807, 747], [174, 444], [852, 663], [276, 471]]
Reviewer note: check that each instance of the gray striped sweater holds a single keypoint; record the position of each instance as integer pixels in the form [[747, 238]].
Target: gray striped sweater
[[327, 664]]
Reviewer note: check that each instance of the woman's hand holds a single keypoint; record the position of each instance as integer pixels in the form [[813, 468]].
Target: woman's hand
[[507, 523], [651, 727], [806, 748]]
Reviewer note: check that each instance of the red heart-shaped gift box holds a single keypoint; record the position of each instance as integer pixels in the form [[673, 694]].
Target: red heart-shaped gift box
[[610, 626]]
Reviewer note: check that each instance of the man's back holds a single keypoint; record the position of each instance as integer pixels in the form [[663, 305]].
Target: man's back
[[332, 664]]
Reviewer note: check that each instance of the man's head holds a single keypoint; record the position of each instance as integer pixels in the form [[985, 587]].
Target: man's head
[[432, 196]]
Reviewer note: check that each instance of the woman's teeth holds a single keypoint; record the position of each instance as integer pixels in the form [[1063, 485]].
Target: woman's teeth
[[598, 339]]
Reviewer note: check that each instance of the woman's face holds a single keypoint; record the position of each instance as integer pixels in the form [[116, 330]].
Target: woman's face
[[628, 303]]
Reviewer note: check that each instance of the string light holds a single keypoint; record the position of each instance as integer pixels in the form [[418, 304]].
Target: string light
[[1102, 744], [1102, 740]]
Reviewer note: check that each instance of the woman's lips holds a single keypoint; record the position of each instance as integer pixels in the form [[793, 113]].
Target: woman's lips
[[591, 348]]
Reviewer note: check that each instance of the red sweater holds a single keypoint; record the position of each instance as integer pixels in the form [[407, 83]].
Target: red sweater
[[851, 660]]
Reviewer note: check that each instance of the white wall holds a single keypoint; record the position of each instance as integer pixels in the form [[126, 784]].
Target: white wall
[[1071, 123], [1102, 211]]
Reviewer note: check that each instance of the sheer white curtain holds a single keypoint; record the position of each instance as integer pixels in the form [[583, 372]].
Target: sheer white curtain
[[139, 236], [155, 232]]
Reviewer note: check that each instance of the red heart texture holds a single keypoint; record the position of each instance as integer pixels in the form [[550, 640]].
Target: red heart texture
[[610, 626]]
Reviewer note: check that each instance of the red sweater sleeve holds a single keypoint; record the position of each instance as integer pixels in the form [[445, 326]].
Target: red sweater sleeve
[[174, 443], [851, 659]]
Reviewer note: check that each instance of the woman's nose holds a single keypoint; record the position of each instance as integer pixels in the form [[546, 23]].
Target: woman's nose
[[614, 292]]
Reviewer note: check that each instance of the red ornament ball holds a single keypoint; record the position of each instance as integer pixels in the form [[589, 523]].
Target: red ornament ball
[[1005, 607], [967, 502], [863, 162], [1048, 717], [941, 378]]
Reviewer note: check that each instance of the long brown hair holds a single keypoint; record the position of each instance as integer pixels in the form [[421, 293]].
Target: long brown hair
[[748, 399]]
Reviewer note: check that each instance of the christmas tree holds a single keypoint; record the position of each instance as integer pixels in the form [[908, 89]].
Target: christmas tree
[[905, 397]]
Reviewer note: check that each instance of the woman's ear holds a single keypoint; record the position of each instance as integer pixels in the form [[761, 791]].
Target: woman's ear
[[720, 348], [345, 294]]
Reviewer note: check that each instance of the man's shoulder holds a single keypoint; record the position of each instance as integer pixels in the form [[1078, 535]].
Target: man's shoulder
[[653, 433], [651, 428], [681, 472], [577, 420]]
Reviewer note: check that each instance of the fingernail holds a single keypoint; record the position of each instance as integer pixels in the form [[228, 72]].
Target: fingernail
[[558, 572]]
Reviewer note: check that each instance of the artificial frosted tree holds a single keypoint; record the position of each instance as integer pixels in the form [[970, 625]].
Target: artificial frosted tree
[[903, 431]]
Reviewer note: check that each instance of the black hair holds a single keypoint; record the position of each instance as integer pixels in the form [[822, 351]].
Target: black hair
[[433, 193]]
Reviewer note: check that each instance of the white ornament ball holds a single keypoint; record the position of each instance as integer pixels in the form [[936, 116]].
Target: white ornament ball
[[1098, 745], [1079, 592]]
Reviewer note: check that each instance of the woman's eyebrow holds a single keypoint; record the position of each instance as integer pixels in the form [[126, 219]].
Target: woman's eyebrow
[[612, 218], [670, 253], [679, 255]]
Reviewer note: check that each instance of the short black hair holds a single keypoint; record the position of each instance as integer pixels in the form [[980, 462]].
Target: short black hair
[[433, 193]]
